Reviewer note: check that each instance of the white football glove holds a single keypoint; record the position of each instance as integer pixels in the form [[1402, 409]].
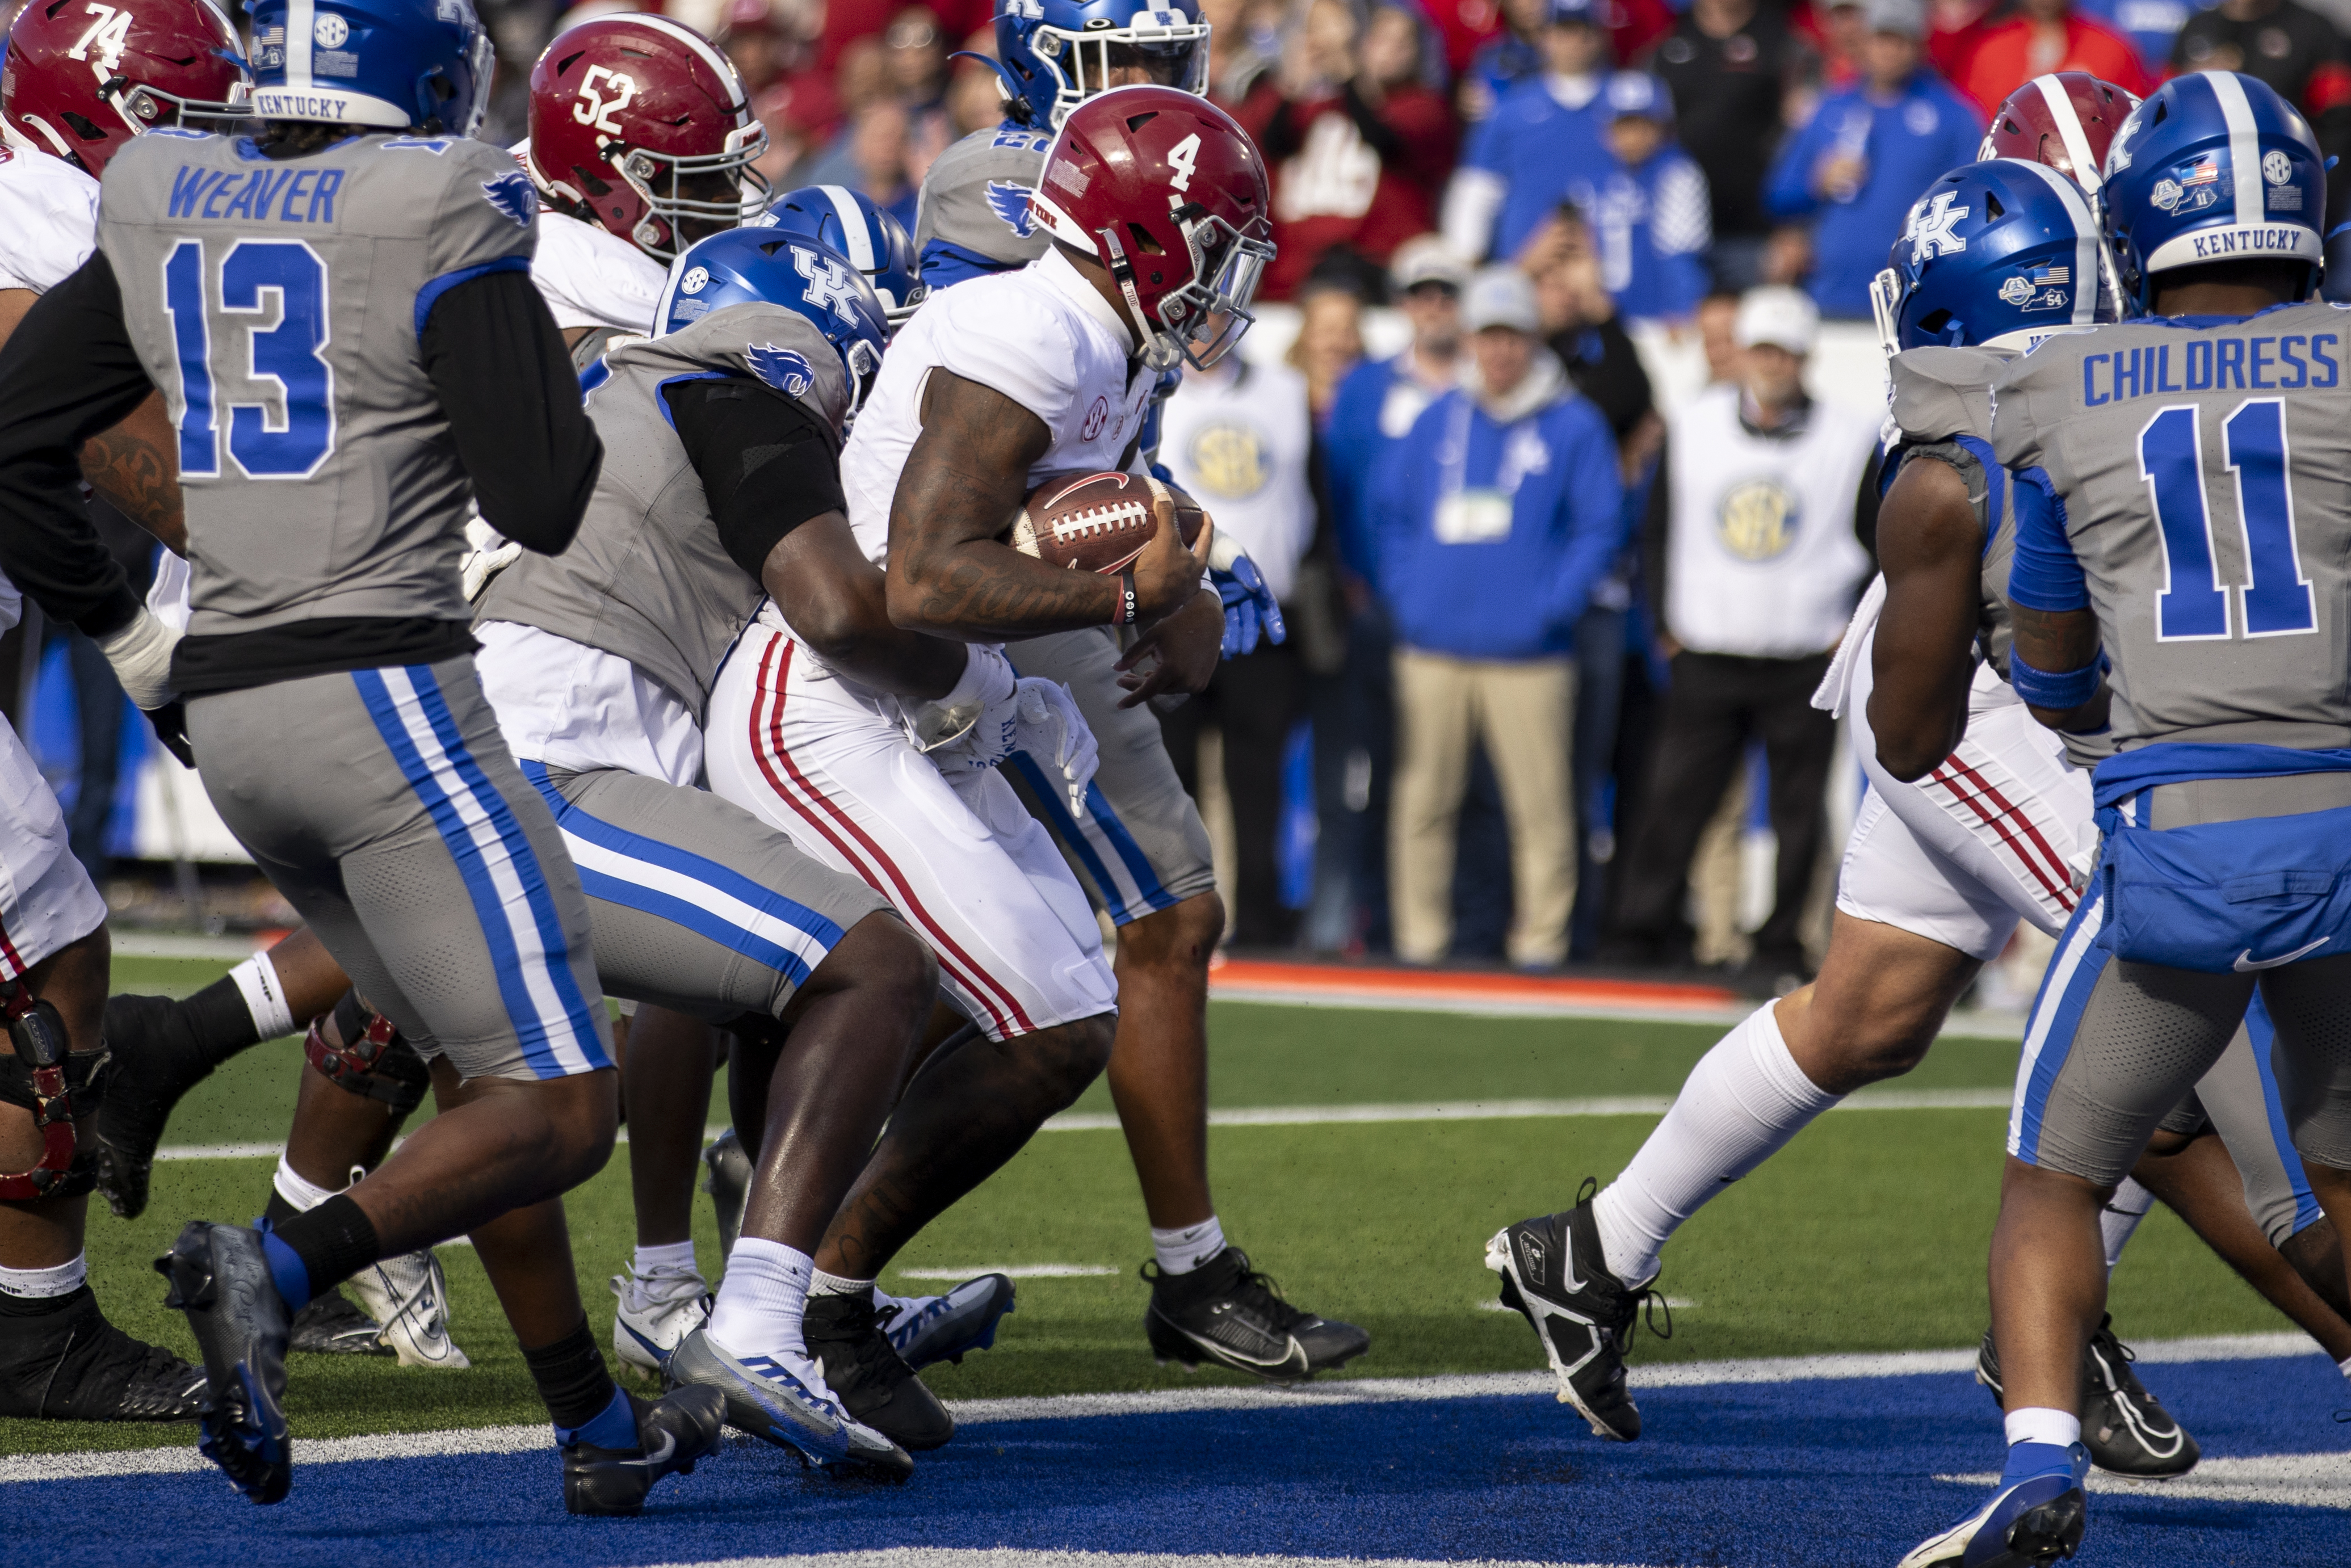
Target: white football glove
[[1055, 735], [488, 552], [141, 652], [970, 729]]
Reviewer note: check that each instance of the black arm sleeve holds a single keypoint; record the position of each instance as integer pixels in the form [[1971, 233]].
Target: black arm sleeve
[[768, 465], [67, 373], [505, 379]]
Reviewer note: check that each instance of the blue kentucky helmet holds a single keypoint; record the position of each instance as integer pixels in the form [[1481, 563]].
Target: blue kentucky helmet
[[377, 65], [748, 266], [848, 222], [1056, 54], [1996, 255], [2212, 167]]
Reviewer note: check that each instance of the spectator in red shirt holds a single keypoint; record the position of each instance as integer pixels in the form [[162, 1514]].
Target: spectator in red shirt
[[1360, 147], [2049, 35]]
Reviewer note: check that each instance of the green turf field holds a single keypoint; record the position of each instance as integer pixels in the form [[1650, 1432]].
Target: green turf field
[[1867, 1233]]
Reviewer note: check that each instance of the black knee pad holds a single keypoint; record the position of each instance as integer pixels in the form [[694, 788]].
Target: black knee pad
[[39, 1073], [373, 1061]]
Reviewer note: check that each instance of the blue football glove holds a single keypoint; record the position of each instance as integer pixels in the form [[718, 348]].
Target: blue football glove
[[1250, 611]]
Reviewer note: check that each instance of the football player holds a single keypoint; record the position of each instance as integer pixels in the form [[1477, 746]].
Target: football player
[[1139, 848], [721, 485], [77, 86], [2178, 582], [327, 444]]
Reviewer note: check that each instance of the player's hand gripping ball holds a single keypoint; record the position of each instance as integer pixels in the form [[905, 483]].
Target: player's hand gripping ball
[[1100, 522]]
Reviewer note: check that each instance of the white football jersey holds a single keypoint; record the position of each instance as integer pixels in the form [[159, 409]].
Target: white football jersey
[[592, 278], [49, 220], [1043, 338]]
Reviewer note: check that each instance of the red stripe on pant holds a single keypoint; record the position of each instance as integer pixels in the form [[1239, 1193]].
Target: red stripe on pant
[[766, 741], [2061, 890]]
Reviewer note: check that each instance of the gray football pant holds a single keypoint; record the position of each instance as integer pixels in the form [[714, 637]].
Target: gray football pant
[[383, 804]]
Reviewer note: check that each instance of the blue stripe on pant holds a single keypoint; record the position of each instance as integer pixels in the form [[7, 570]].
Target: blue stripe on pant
[[2306, 1211], [1088, 841], [439, 784], [2057, 1015], [668, 905]]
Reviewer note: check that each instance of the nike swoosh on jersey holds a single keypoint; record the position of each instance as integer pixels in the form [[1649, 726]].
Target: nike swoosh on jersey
[[2246, 963]]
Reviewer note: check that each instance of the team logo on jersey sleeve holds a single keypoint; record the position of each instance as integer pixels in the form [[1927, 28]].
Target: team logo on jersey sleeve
[[1758, 519], [512, 194], [1008, 200], [786, 370]]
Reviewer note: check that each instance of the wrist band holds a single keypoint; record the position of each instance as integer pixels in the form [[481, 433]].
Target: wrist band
[[2059, 690], [1127, 601]]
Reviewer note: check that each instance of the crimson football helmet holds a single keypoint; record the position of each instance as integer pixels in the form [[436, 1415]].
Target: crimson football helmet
[[640, 124], [2066, 121], [82, 77], [1165, 190]]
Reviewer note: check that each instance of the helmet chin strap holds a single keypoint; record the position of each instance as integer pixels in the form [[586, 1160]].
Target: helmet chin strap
[[1123, 270]]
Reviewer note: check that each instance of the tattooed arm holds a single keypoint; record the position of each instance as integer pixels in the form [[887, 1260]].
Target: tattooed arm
[[2062, 640], [1931, 549], [950, 573], [136, 466]]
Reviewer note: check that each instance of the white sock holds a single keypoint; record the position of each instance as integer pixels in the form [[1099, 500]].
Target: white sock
[[40, 1284], [299, 1189], [823, 1284], [265, 997], [675, 1256], [762, 1298], [2041, 1425], [1188, 1247], [1743, 1101], [2121, 1217], [2343, 1367]]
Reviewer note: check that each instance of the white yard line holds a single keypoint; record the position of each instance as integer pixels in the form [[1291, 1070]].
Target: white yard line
[[1013, 1557], [2304, 1480], [1346, 1391], [1015, 1272]]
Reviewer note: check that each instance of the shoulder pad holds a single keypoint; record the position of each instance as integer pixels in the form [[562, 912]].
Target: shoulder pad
[[1940, 392]]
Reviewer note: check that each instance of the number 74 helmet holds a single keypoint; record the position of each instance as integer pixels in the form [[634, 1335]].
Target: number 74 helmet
[[1167, 192], [81, 79], [639, 124]]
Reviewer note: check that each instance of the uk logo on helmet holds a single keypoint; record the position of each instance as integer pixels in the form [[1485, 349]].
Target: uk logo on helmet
[[1008, 200], [829, 286], [786, 370], [1934, 236]]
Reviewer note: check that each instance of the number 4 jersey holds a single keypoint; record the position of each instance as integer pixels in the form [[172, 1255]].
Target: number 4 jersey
[[279, 304], [2201, 465]]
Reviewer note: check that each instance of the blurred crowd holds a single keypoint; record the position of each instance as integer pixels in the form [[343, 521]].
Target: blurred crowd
[[1546, 641]]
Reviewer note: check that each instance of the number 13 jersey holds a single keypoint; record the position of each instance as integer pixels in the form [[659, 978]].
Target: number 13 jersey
[[279, 304], [2202, 471]]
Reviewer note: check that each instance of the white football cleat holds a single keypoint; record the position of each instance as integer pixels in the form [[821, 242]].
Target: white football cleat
[[409, 1296], [657, 1312]]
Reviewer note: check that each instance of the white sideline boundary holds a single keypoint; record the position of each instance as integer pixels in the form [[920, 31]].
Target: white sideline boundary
[[1017, 1557], [1335, 1116], [93, 1466], [2302, 1480]]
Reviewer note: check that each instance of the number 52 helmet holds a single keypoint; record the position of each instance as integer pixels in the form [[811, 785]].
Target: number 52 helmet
[[80, 81], [639, 123], [1167, 192], [1997, 254], [1056, 54]]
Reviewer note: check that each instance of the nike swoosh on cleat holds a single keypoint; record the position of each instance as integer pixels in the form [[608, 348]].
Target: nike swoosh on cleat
[[658, 1458], [2246, 963], [1223, 1352], [655, 1350]]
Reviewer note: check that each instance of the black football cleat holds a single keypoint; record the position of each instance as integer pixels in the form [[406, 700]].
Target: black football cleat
[[157, 1058], [332, 1325], [71, 1364], [2127, 1429], [874, 1383], [673, 1437], [1554, 1272], [728, 1183], [1227, 1313], [220, 1277]]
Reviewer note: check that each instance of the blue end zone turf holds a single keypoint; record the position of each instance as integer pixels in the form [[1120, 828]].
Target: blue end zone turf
[[1810, 1473]]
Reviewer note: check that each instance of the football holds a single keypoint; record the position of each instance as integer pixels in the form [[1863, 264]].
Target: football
[[1098, 522]]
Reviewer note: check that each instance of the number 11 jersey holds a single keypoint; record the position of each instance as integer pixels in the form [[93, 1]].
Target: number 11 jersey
[[280, 305], [2202, 471]]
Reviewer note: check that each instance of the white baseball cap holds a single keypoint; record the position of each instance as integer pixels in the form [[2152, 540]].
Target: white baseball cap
[[1783, 318], [1502, 297]]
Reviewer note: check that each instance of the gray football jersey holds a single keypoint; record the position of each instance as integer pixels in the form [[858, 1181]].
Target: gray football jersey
[[2204, 472], [647, 576], [278, 303], [1942, 405], [976, 196]]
